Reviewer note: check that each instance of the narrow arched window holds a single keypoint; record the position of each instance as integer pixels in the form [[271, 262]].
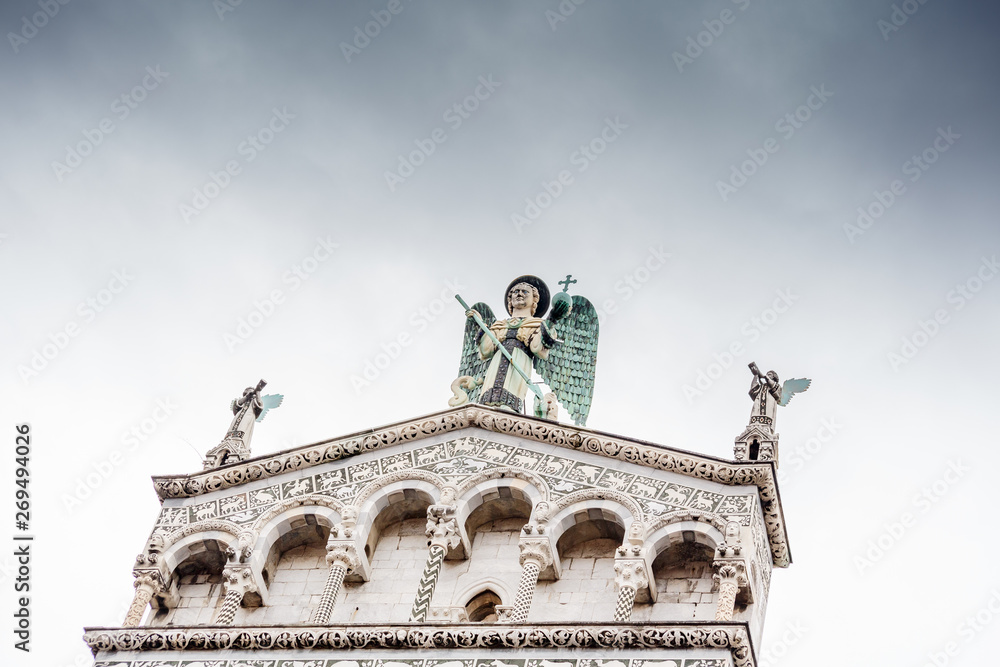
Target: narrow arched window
[[482, 608]]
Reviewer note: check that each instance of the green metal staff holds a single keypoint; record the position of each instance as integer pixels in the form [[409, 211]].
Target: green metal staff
[[496, 341]]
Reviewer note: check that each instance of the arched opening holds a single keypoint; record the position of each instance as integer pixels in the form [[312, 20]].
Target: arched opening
[[754, 449], [594, 538], [196, 590], [683, 575], [482, 607]]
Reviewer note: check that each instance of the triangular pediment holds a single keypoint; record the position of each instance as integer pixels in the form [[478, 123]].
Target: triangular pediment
[[458, 446]]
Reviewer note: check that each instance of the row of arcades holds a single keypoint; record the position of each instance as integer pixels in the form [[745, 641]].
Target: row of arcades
[[416, 550]]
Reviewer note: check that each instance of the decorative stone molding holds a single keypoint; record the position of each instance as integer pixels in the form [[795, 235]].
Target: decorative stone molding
[[311, 500], [691, 635], [760, 474], [385, 480], [506, 472], [537, 549], [584, 495], [504, 612]]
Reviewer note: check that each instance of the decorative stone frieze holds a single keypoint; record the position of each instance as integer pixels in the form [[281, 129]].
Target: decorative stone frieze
[[733, 637]]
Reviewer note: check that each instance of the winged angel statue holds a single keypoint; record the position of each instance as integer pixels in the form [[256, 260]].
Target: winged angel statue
[[561, 347], [247, 409], [768, 393]]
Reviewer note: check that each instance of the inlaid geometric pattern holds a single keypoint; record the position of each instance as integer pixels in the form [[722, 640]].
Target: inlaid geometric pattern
[[455, 461], [425, 591], [555, 661]]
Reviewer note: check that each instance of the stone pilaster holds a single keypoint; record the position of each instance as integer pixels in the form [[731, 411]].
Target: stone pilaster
[[147, 584], [536, 555], [237, 582], [630, 577], [442, 529]]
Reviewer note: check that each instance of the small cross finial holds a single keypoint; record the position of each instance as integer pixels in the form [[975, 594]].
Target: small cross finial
[[566, 283]]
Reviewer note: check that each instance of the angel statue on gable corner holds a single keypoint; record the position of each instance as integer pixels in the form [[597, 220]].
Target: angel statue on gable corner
[[562, 347]]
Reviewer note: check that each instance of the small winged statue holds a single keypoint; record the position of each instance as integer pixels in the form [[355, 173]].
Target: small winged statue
[[768, 393], [560, 345], [247, 409]]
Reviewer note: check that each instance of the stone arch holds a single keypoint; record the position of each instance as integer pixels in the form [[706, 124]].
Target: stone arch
[[380, 483], [590, 505], [488, 584], [407, 494], [709, 529], [496, 484], [182, 543], [292, 515]]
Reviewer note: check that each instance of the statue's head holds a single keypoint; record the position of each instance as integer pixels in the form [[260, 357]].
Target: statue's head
[[772, 376], [527, 292], [522, 295]]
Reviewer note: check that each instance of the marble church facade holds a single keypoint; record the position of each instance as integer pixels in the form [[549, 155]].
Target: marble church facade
[[468, 538]]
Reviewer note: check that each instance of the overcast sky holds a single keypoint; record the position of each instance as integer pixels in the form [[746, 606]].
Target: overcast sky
[[196, 196]]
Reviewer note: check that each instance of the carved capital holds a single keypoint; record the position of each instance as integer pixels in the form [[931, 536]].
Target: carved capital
[[341, 551], [238, 579], [538, 550], [631, 572], [150, 580], [442, 526], [730, 570]]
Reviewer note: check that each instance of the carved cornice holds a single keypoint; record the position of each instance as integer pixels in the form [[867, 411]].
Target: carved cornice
[[690, 635], [731, 473]]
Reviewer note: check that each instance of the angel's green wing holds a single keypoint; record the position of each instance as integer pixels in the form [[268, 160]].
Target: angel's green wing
[[569, 370], [470, 363], [269, 401], [791, 387]]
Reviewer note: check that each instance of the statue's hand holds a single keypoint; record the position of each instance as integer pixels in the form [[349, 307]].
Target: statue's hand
[[470, 313]]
